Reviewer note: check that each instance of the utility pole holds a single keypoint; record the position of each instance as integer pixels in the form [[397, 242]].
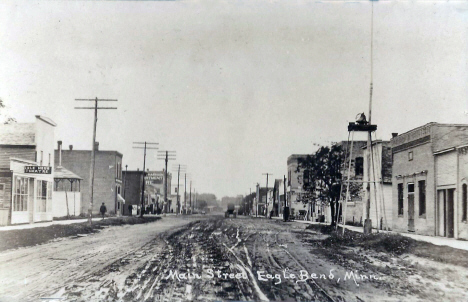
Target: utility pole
[[144, 170], [250, 203], [190, 198], [93, 150], [266, 196], [125, 180], [257, 198], [178, 200], [179, 168], [166, 156], [286, 207], [185, 194]]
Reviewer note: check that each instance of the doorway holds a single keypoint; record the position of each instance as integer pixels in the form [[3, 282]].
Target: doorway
[[411, 207], [31, 205], [446, 221]]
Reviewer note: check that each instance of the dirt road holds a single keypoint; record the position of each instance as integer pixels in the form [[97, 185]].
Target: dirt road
[[212, 259]]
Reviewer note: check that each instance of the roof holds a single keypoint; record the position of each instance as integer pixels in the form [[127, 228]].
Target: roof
[[294, 157], [47, 120], [89, 151], [62, 173], [18, 134]]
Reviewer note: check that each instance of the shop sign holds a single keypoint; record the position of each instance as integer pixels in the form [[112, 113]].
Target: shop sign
[[38, 170]]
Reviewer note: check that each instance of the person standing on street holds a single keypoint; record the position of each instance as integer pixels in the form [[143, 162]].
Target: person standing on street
[[103, 210], [130, 209]]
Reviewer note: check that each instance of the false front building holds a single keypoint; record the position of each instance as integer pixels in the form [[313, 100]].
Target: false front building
[[430, 177], [26, 172]]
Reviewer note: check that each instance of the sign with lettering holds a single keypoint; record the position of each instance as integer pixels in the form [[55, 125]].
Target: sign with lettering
[[412, 135], [154, 177], [38, 170]]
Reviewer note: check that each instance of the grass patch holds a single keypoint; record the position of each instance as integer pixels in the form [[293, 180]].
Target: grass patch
[[29, 237]]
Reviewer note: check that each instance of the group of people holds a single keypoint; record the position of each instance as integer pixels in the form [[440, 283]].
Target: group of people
[[151, 209]]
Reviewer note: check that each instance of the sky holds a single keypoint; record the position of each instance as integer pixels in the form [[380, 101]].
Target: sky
[[234, 87]]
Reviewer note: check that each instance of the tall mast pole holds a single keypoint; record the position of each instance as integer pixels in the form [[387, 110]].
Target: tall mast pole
[[165, 188], [368, 222]]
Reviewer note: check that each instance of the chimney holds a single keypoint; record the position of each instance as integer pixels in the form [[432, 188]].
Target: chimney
[[60, 152], [394, 134], [96, 146], [71, 147]]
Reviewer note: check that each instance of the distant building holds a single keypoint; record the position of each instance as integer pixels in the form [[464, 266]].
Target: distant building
[[278, 197], [294, 184], [154, 191], [156, 187], [355, 203], [133, 184], [430, 178], [297, 195], [26, 171], [107, 177]]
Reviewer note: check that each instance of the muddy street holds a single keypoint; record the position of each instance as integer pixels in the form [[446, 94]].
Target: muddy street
[[208, 259]]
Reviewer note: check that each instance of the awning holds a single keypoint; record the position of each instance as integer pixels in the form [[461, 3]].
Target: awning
[[120, 198]]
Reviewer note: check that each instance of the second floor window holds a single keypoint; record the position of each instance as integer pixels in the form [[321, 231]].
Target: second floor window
[[359, 166]]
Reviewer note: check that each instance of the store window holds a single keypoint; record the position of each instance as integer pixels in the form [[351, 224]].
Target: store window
[[422, 197], [20, 194], [400, 199]]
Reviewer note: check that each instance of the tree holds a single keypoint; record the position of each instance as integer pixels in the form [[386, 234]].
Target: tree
[[209, 198], [202, 204], [324, 177], [6, 119]]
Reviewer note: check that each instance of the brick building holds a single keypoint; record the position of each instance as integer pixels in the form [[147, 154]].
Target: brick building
[[26, 171], [107, 177], [154, 190], [430, 177]]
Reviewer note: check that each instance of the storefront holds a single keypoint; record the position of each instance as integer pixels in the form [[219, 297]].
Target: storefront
[[31, 192]]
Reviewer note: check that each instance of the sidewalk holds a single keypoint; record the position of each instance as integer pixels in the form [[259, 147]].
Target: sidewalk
[[44, 224], [442, 241], [55, 222]]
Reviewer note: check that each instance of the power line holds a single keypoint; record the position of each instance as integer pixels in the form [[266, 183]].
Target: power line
[[166, 156], [144, 168], [93, 150]]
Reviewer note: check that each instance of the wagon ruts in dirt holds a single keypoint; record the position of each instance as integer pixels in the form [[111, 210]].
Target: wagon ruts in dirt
[[231, 210]]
